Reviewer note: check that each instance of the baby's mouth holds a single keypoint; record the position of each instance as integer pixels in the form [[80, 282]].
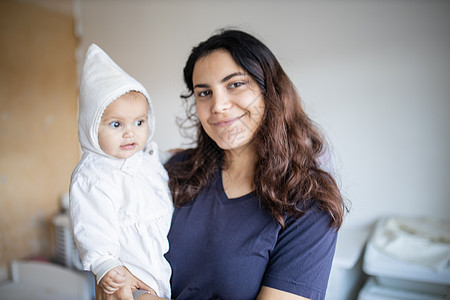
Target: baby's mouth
[[129, 146]]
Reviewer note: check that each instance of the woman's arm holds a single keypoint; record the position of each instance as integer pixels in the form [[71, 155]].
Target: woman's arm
[[149, 297], [267, 293]]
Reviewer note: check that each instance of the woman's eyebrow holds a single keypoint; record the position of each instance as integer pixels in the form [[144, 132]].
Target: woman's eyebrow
[[201, 85], [226, 78]]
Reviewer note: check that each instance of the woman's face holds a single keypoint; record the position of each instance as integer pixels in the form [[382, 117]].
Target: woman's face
[[229, 104]]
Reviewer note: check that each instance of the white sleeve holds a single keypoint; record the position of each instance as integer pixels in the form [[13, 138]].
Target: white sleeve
[[95, 226]]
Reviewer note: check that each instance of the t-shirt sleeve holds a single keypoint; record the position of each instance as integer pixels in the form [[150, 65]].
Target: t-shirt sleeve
[[300, 262]]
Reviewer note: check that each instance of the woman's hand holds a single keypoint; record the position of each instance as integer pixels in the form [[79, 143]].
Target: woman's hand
[[124, 293], [121, 294]]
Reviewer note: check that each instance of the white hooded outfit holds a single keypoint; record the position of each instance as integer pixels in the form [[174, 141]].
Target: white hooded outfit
[[121, 209]]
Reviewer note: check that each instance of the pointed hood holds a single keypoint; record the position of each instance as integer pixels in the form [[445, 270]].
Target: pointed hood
[[102, 82]]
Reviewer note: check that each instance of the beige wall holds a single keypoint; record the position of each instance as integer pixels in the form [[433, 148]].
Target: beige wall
[[375, 75], [38, 134]]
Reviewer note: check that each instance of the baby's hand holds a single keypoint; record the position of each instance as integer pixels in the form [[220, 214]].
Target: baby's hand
[[113, 280]]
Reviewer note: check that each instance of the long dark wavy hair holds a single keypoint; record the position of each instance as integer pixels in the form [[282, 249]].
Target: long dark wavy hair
[[288, 179]]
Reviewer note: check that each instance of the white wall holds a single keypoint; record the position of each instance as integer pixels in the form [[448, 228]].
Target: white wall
[[374, 74]]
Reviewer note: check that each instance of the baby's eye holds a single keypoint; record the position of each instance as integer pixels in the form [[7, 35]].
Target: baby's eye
[[204, 93], [115, 124], [139, 123]]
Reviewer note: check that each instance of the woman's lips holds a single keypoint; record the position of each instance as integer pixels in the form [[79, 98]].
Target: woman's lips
[[226, 122]]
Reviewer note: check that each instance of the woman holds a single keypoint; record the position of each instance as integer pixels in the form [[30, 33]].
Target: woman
[[256, 216]]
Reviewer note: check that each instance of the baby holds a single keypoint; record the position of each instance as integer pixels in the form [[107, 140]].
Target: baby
[[120, 204]]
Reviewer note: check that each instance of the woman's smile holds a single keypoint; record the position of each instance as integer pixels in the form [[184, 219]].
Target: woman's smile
[[226, 121]]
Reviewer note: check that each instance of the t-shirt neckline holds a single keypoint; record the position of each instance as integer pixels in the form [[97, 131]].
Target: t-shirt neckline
[[223, 195]]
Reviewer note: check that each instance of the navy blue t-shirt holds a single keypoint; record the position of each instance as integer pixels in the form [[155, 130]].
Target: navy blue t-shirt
[[223, 248]]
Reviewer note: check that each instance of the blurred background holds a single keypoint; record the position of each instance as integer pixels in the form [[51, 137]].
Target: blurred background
[[375, 76]]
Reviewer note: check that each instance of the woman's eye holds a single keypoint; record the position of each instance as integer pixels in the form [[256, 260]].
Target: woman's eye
[[115, 124], [204, 93], [236, 84]]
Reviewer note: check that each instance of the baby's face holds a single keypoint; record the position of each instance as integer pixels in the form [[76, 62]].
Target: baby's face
[[123, 130]]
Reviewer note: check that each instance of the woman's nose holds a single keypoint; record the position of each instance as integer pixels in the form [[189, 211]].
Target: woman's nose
[[221, 103]]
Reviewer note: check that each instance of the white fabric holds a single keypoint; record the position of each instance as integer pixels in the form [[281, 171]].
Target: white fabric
[[420, 241], [121, 209], [102, 82], [121, 213], [102, 265]]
